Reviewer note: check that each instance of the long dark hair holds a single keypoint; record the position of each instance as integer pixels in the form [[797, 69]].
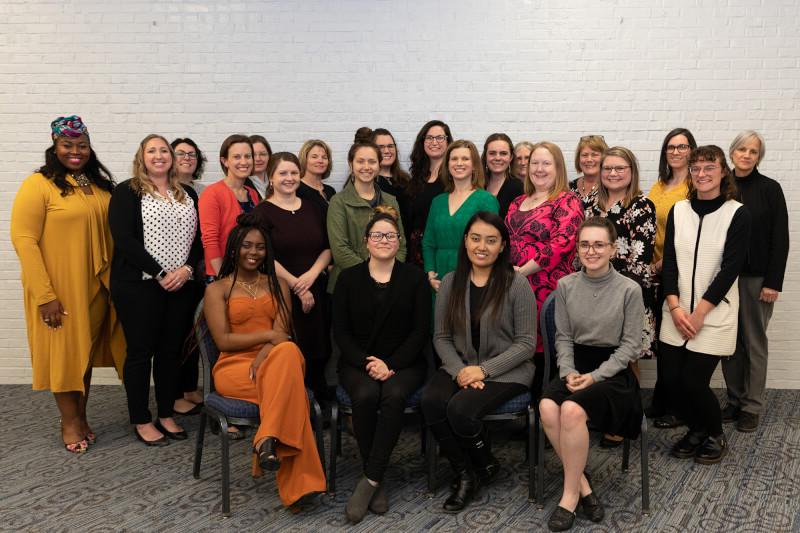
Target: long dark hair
[[420, 167], [230, 263], [93, 169], [491, 138], [400, 177], [499, 280], [664, 170]]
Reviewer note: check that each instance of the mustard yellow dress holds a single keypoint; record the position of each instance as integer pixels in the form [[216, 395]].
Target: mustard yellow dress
[[64, 247], [664, 199]]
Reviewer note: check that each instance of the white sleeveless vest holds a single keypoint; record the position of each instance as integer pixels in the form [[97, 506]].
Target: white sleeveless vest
[[699, 245]]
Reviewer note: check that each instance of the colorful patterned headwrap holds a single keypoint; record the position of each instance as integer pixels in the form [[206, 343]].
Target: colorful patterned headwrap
[[71, 126]]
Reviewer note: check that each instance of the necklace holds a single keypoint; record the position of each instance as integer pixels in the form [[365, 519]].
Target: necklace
[[82, 180], [583, 187], [251, 287]]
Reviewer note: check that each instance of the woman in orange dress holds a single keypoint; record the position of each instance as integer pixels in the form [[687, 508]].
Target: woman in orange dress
[[248, 313]]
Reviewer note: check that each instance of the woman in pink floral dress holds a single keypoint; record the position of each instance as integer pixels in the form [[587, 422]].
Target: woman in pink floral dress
[[543, 225]]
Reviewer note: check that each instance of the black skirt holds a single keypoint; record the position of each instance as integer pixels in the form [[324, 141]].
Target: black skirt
[[613, 405]]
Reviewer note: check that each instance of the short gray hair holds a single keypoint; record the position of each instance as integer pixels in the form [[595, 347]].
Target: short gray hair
[[745, 136]]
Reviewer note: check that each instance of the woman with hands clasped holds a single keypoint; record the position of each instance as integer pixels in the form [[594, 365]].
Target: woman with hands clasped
[[381, 322], [485, 335], [593, 348], [249, 315]]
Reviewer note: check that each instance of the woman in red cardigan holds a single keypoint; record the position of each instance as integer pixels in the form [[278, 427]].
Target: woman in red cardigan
[[226, 199]]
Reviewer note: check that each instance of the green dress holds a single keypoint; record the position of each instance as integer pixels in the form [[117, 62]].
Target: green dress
[[444, 233]]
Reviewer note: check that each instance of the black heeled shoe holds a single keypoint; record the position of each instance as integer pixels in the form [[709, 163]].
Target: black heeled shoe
[[267, 458], [466, 488], [175, 435]]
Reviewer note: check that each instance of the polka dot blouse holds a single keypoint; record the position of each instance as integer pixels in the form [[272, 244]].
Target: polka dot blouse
[[169, 229]]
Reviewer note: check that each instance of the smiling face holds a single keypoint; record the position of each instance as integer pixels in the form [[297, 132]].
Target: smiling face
[[678, 152], [253, 251], [383, 248], [239, 161], [185, 159], [317, 161], [589, 160], [435, 142], [595, 249], [498, 157], [483, 243], [522, 156], [388, 150], [365, 165], [73, 152], [157, 158], [706, 178], [285, 179], [616, 174], [542, 170], [745, 156], [260, 158], [460, 164]]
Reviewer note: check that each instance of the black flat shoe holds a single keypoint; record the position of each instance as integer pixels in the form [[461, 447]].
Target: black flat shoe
[[161, 441], [267, 457], [730, 413], [198, 407], [688, 445], [561, 520], [177, 435], [591, 505], [462, 495], [667, 422], [607, 443], [712, 450]]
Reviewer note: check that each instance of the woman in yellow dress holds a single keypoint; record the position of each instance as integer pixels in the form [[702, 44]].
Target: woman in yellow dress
[[59, 228]]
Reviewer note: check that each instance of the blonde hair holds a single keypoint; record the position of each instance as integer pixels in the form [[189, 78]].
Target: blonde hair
[[478, 179], [633, 187], [306, 148], [140, 181], [560, 184], [593, 142]]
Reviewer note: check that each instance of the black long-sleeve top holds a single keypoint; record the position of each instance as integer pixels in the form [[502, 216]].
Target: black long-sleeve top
[[733, 255], [768, 248], [391, 323], [125, 220]]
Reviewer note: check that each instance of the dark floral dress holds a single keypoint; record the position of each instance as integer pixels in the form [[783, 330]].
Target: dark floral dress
[[636, 236]]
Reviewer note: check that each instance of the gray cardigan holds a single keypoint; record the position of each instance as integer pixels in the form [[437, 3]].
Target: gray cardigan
[[507, 345]]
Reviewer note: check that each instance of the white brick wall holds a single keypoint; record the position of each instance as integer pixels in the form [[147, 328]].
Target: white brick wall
[[631, 70]]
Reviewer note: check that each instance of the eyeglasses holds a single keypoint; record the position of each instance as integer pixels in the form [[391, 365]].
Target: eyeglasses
[[599, 247], [430, 139], [592, 138], [680, 148], [180, 153], [619, 169], [377, 236], [383, 147], [707, 169]]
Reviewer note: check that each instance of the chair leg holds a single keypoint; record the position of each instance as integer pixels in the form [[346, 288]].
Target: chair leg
[[645, 470], [529, 454], [422, 438], [198, 447], [626, 453], [226, 468], [336, 429], [316, 420], [430, 459], [539, 461]]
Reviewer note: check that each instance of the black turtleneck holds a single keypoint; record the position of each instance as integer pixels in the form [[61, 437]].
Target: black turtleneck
[[769, 238], [733, 255]]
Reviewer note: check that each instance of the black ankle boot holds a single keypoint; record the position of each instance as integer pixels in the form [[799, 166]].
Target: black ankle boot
[[484, 464], [467, 485]]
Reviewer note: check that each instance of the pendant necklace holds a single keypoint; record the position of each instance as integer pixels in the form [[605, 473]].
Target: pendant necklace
[[82, 180], [251, 287]]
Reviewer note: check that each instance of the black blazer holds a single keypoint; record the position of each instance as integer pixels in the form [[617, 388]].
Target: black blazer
[[125, 221], [395, 332]]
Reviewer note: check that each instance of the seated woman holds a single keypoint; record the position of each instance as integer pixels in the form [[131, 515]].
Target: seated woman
[[381, 322], [485, 334], [595, 383], [249, 316]]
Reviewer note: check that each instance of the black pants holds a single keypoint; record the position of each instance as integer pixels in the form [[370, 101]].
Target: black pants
[[687, 383], [378, 412], [156, 323], [188, 369]]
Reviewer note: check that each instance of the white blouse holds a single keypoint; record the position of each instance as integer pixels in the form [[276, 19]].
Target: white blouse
[[169, 230]]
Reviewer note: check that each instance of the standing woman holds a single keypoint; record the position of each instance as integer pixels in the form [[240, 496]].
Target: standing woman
[[705, 247], [485, 335], [599, 315], [587, 162], [392, 178], [760, 281], [248, 315], [261, 154], [60, 231], [543, 226], [522, 154], [426, 158], [462, 180], [153, 220], [226, 199], [316, 164], [496, 160], [190, 163], [672, 186], [351, 209], [302, 255], [381, 323]]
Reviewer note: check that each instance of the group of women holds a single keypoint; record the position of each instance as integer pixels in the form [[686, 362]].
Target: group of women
[[282, 258]]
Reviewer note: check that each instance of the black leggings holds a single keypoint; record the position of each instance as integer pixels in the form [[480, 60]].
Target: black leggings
[[378, 412], [686, 377]]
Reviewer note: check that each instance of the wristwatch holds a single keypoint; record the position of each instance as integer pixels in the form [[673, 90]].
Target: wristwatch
[[160, 275]]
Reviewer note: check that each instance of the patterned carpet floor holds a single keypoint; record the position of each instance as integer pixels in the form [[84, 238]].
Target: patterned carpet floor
[[120, 485]]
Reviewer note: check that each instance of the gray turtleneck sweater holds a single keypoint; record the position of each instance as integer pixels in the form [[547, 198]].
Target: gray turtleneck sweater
[[604, 311]]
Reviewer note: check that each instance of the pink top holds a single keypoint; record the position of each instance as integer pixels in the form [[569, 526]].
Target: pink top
[[547, 234], [218, 208]]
